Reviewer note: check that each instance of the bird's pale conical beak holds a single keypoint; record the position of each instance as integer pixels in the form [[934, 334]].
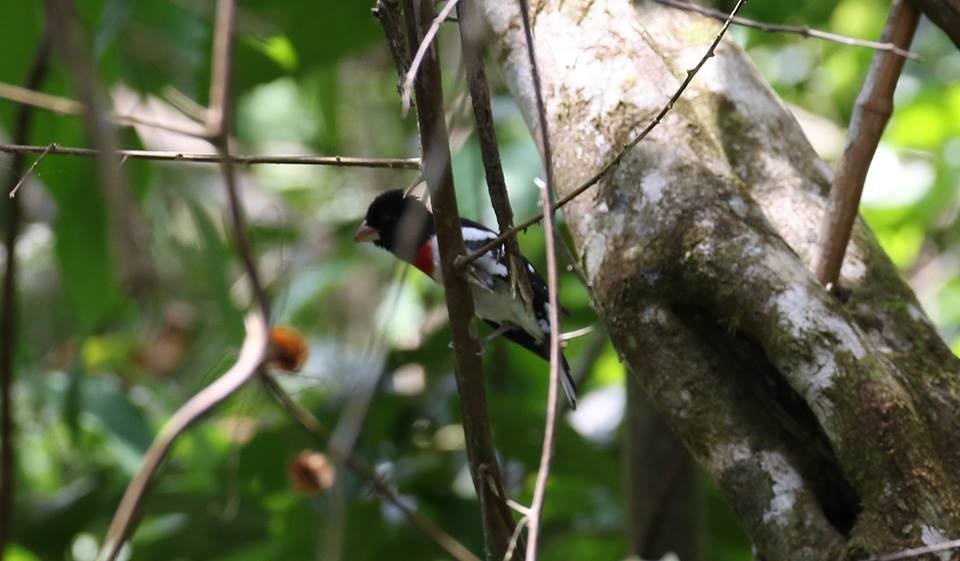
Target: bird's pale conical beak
[[365, 233]]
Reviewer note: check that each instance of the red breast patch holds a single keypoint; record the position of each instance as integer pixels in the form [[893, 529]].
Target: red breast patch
[[423, 260]]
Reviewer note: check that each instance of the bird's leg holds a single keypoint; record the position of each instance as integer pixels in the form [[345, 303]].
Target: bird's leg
[[500, 330]]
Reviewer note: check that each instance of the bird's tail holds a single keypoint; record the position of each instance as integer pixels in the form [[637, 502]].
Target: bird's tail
[[542, 348], [567, 383]]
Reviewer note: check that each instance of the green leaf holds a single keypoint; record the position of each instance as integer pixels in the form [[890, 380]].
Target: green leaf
[[216, 263], [125, 422], [81, 246], [17, 552], [22, 25]]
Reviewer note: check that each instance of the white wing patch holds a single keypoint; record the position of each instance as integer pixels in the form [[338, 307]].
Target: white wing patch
[[489, 264], [476, 235], [544, 322], [489, 268]]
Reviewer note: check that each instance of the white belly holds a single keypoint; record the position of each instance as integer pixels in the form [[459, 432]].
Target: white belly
[[499, 309]]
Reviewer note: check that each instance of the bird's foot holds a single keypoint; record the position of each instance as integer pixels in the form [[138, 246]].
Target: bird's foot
[[500, 330]]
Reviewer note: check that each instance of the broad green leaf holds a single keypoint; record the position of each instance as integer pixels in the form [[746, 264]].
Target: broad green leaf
[[110, 404], [217, 264]]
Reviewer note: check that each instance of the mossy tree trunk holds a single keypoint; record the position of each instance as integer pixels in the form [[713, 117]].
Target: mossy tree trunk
[[831, 424]]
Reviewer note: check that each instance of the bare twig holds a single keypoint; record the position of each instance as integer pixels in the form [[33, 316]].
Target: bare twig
[[218, 119], [571, 335], [13, 192], [574, 267], [219, 127], [470, 41], [422, 48], [8, 301], [517, 532], [252, 355], [801, 30], [870, 114], [184, 103], [208, 158], [387, 13], [312, 426], [553, 393], [66, 106], [498, 521], [612, 164], [41, 100], [916, 552]]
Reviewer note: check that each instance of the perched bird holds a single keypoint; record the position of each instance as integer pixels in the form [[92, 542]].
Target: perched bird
[[403, 225]]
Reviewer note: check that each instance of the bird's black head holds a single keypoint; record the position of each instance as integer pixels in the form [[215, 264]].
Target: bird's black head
[[396, 222]]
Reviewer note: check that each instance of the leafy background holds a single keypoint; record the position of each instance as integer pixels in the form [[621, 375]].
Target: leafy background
[[100, 367]]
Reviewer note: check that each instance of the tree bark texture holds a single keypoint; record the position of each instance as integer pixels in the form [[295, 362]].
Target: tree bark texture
[[831, 424]]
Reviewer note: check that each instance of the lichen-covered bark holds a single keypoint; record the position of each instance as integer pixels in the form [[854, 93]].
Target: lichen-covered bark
[[830, 424]]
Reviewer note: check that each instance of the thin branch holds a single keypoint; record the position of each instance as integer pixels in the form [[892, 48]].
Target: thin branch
[[870, 115], [498, 521], [571, 335], [8, 301], [41, 100], [218, 119], [553, 392], [219, 128], [362, 469], [612, 164], [801, 30], [425, 44], [387, 13], [211, 158], [66, 106], [575, 267], [916, 552], [184, 103], [471, 29], [252, 355], [13, 192], [515, 538]]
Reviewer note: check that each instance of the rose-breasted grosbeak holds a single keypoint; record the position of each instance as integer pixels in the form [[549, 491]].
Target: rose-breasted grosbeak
[[403, 226]]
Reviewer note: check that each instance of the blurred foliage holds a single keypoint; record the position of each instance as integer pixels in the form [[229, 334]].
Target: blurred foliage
[[100, 371]]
